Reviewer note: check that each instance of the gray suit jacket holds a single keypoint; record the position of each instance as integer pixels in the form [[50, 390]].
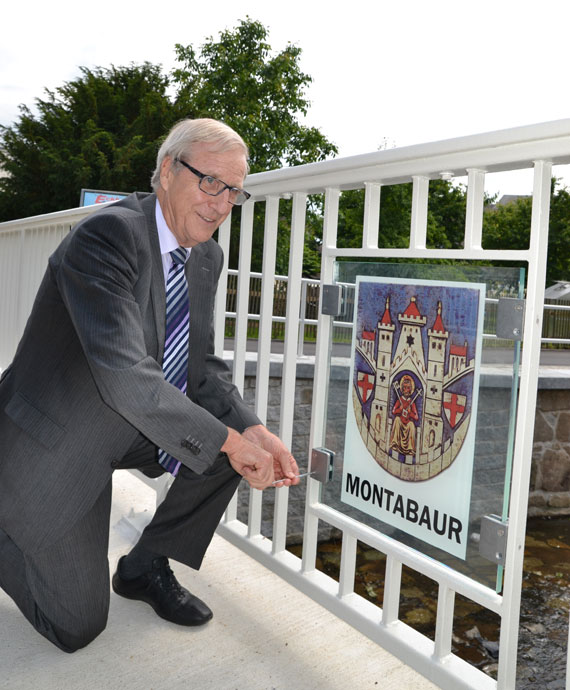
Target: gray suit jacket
[[87, 378]]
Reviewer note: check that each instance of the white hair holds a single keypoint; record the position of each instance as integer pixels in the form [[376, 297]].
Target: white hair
[[184, 135]]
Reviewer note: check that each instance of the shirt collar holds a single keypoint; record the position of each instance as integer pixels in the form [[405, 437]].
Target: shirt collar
[[168, 242]]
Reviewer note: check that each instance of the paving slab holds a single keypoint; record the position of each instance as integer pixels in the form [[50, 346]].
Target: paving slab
[[265, 635]]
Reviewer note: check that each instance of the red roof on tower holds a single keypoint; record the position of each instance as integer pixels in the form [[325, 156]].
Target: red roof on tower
[[438, 325], [412, 309], [458, 350], [386, 318], [368, 335]]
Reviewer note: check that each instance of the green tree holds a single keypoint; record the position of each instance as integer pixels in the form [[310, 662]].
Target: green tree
[[103, 129], [508, 227], [237, 79], [261, 95], [98, 131], [445, 221]]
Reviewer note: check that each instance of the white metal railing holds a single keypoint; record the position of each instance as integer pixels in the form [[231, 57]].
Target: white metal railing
[[25, 246], [35, 238], [537, 147]]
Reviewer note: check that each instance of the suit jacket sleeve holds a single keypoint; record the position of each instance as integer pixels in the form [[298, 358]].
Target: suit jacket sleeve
[[103, 278], [210, 383]]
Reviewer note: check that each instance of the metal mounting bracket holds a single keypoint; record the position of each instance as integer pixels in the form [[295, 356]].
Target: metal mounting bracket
[[493, 541], [321, 467], [331, 303], [510, 318]]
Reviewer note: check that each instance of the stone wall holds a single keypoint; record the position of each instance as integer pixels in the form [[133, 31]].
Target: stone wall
[[550, 480], [550, 483]]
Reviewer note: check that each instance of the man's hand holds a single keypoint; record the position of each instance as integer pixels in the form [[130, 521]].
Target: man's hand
[[249, 460], [261, 458], [284, 465]]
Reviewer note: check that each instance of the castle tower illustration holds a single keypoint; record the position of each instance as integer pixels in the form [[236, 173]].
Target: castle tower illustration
[[432, 432], [411, 388], [410, 350], [379, 411], [457, 358]]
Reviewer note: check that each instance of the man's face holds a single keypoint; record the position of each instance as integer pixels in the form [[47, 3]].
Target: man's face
[[191, 214]]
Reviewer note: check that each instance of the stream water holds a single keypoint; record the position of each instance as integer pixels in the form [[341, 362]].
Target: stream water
[[545, 605]]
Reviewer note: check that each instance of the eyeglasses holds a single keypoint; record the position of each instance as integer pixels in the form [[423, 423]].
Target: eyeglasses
[[214, 187]]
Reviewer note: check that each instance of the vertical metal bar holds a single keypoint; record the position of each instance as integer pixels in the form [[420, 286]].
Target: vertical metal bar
[[266, 306], [527, 404], [290, 358], [254, 513], [10, 263], [231, 511], [23, 278], [511, 432], [347, 565], [242, 303], [246, 230], [302, 314], [568, 658], [474, 210], [321, 377], [418, 229], [371, 215], [264, 343], [392, 583], [444, 622], [220, 306]]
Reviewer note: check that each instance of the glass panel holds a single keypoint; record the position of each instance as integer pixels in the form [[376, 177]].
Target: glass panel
[[433, 394]]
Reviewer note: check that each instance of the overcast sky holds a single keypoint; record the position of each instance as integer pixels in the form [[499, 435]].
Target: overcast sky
[[394, 72]]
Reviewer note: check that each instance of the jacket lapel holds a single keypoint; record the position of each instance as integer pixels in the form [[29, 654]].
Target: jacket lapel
[[201, 278], [157, 287]]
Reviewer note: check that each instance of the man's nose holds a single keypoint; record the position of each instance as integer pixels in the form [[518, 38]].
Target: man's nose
[[221, 202]]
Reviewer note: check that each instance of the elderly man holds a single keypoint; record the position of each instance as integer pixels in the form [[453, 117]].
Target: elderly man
[[115, 370]]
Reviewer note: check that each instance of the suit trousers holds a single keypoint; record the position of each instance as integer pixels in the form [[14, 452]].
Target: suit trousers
[[64, 590]]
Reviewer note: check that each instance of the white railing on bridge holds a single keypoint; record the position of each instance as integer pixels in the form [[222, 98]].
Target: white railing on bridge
[[537, 147], [25, 245]]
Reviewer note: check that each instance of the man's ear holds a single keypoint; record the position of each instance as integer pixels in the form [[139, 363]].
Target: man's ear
[[166, 172]]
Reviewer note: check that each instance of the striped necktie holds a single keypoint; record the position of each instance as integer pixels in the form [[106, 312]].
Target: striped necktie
[[175, 361]]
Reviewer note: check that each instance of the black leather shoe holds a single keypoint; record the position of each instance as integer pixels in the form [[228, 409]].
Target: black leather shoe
[[164, 593]]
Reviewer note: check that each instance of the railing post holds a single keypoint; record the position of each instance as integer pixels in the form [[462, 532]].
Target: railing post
[[568, 657], [321, 376], [418, 231], [221, 294], [525, 431], [289, 359], [302, 313]]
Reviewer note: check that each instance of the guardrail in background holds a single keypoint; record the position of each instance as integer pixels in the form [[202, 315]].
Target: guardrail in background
[[26, 244], [555, 329]]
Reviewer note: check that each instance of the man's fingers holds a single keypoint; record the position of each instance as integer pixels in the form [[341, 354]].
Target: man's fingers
[[257, 478]]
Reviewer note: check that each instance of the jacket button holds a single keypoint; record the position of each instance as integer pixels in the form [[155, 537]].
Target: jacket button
[[115, 464]]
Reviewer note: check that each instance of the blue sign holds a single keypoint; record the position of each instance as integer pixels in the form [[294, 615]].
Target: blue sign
[[89, 197]]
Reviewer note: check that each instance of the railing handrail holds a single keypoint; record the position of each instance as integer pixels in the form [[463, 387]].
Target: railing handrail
[[55, 217], [514, 148], [509, 149]]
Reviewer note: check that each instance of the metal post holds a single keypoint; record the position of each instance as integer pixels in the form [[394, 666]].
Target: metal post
[[523, 445], [302, 314]]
